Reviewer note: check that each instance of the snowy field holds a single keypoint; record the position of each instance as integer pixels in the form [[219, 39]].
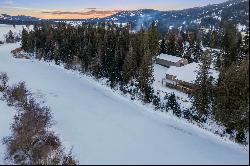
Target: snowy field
[[106, 128]]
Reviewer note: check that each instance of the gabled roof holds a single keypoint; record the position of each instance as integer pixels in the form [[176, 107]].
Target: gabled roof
[[188, 72], [169, 58]]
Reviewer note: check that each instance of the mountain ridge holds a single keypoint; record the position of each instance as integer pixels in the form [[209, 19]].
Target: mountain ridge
[[211, 15]]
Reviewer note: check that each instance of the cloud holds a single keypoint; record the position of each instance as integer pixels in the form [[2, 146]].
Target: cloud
[[91, 8], [83, 13]]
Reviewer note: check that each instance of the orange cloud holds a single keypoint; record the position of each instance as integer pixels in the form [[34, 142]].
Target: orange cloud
[[77, 14]]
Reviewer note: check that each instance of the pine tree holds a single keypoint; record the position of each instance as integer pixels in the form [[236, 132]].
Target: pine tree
[[232, 97], [153, 40], [140, 46], [173, 105], [197, 51], [25, 44], [180, 46], [171, 44], [145, 77], [129, 66], [10, 38], [163, 47], [212, 42], [203, 96], [230, 45]]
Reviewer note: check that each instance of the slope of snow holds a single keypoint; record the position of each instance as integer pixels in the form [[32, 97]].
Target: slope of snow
[[106, 128]]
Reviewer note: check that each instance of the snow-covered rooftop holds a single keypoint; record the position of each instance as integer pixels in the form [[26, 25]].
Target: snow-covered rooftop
[[169, 58], [188, 72]]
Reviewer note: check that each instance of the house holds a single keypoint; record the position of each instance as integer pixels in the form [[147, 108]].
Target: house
[[183, 78], [169, 60]]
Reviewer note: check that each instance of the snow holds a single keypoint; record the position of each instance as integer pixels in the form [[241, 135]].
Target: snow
[[159, 74], [132, 14], [6, 117], [171, 27], [107, 128], [217, 17], [241, 28], [169, 58], [188, 72]]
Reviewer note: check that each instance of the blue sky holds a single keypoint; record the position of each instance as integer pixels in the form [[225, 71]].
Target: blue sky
[[37, 7]]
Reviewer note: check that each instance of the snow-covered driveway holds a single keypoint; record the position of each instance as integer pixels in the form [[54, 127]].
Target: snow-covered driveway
[[105, 128]]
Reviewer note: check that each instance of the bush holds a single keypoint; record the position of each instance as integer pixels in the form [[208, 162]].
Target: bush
[[35, 144], [31, 141], [241, 137], [173, 105], [187, 114], [17, 94], [3, 81], [156, 102]]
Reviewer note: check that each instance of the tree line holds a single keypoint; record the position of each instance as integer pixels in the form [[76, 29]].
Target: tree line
[[105, 50]]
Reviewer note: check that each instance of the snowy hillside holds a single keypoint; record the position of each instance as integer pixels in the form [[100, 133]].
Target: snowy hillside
[[206, 16], [106, 128]]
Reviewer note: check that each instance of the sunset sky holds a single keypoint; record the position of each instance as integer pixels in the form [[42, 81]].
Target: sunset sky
[[75, 9]]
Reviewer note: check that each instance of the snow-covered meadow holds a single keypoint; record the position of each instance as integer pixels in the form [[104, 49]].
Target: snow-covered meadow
[[107, 128]]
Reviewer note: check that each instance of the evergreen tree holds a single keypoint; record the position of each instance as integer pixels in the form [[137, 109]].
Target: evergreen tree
[[197, 51], [180, 46], [203, 96], [25, 44], [212, 43], [171, 44], [163, 47], [153, 40], [129, 66], [173, 105], [10, 38], [232, 97], [230, 44], [146, 77]]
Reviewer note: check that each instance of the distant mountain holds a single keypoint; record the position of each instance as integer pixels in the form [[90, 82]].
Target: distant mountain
[[20, 19], [236, 11], [211, 15], [207, 16]]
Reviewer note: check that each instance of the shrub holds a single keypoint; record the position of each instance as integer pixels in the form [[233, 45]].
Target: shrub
[[31, 141], [3, 81], [17, 94]]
